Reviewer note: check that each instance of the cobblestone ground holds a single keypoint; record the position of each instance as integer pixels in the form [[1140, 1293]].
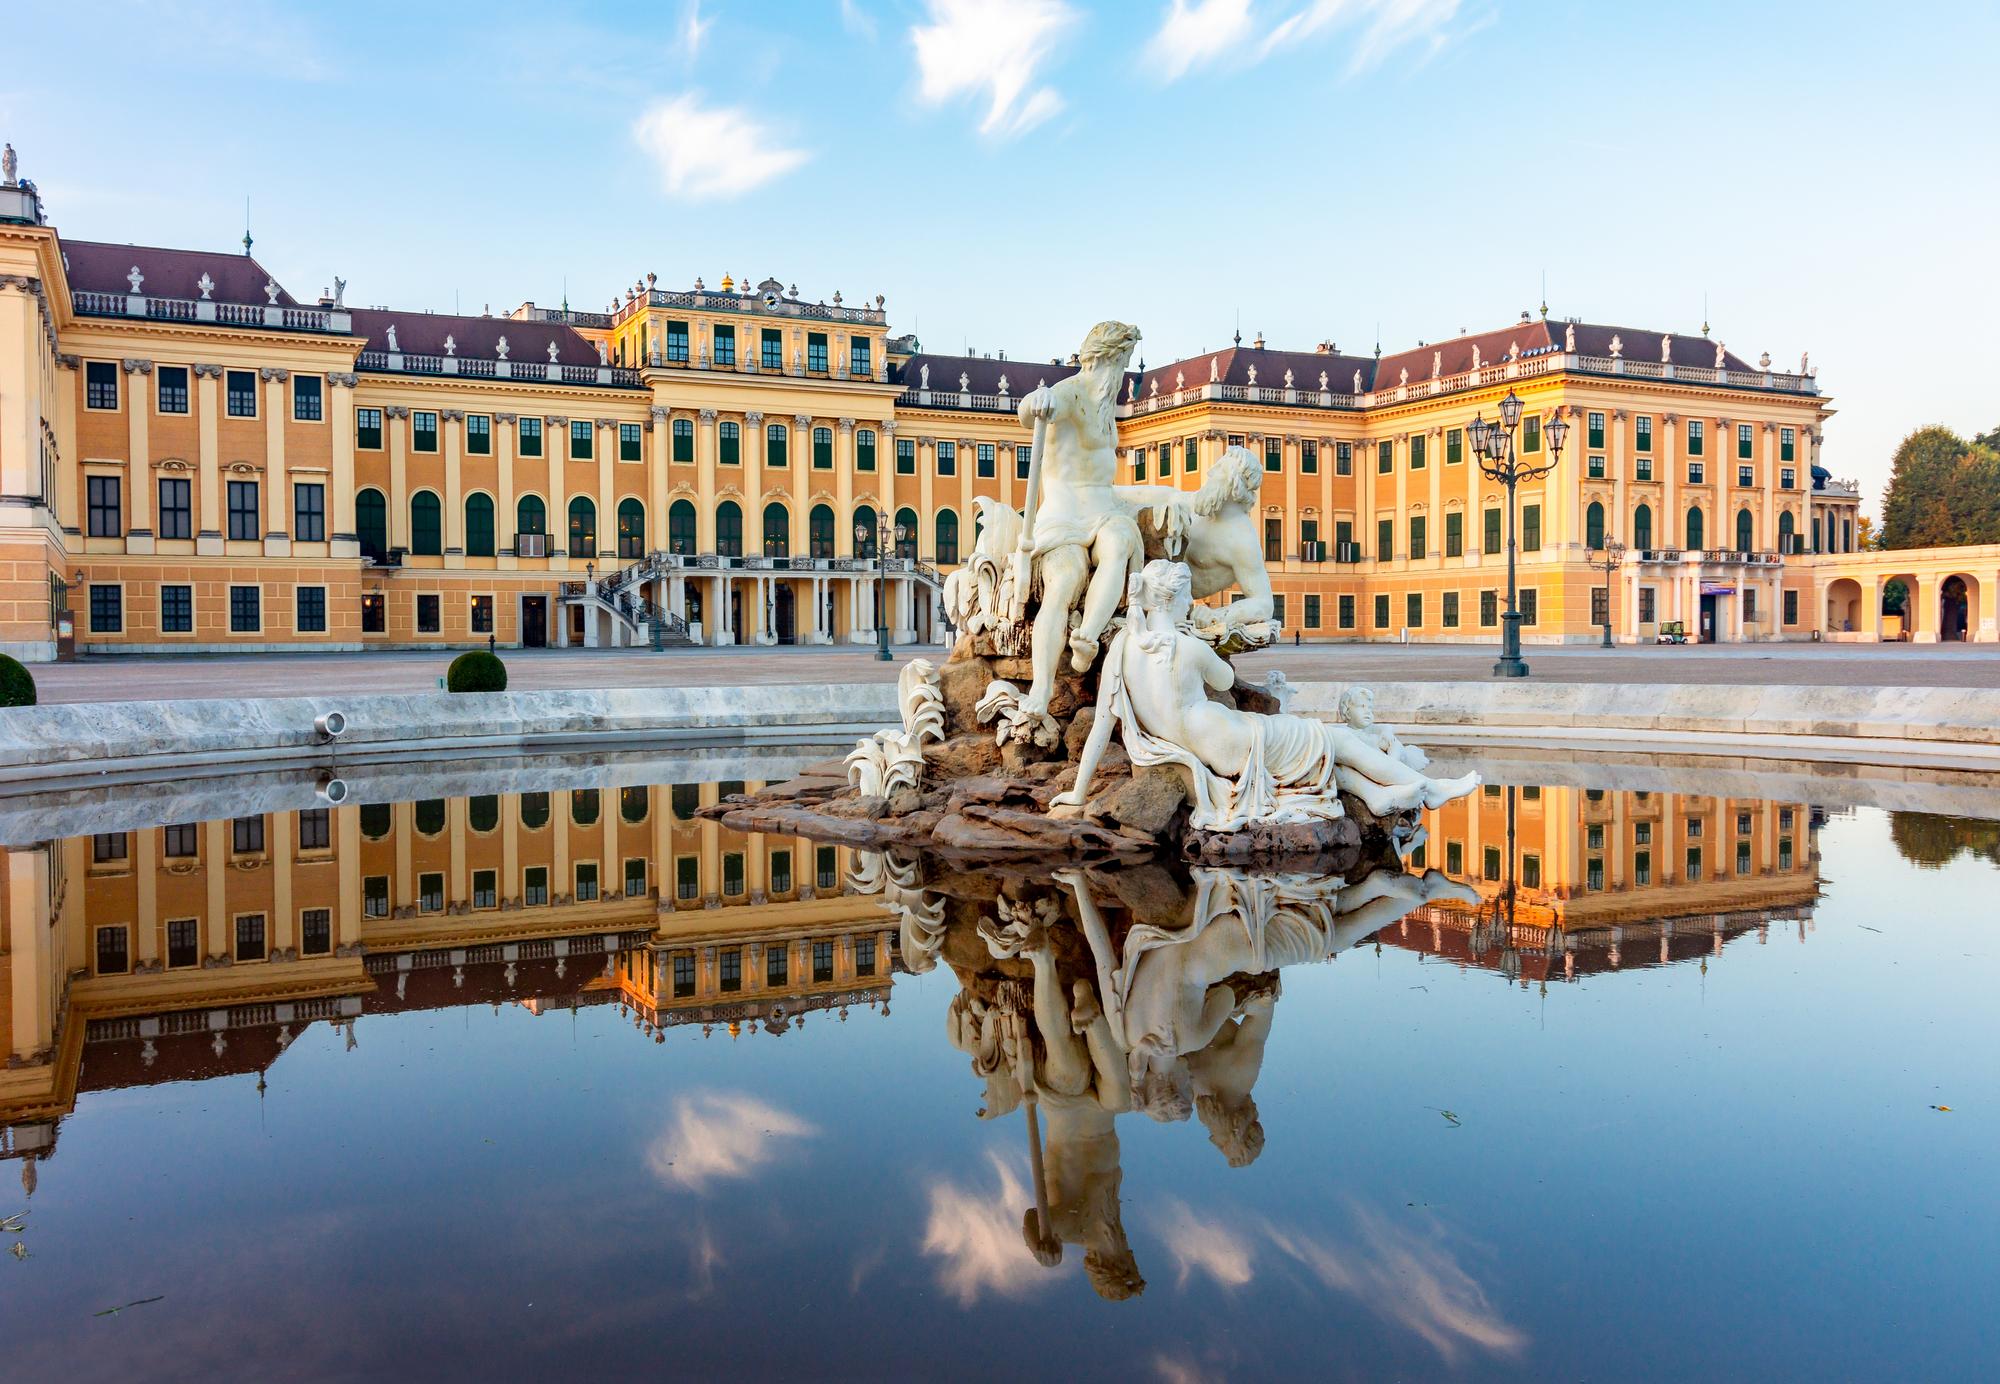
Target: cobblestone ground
[[134, 678]]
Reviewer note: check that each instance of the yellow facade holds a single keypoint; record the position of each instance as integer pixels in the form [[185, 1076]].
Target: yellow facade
[[200, 468]]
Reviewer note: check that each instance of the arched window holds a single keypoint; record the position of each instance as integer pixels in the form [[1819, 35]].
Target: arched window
[[729, 444], [482, 813], [583, 806], [534, 810], [371, 523], [1642, 528], [531, 515], [681, 528], [631, 528], [1694, 529], [864, 532], [822, 449], [729, 529], [906, 534], [777, 530], [582, 527], [429, 815], [1746, 531], [686, 800], [633, 804], [426, 524], [947, 537], [1593, 526], [376, 820], [1788, 534], [820, 530], [479, 526], [777, 440]]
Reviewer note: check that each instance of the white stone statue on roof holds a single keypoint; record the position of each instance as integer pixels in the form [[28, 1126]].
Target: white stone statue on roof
[[207, 285], [964, 382], [1667, 349], [1322, 381], [1003, 386], [554, 352], [1475, 355], [271, 291], [603, 354], [500, 350], [1214, 369], [1513, 350], [451, 345], [1288, 378], [1721, 355], [10, 167], [394, 349], [1617, 347], [1437, 364], [1180, 381], [1357, 381], [923, 377], [1253, 374], [1403, 377], [135, 278], [1569, 338]]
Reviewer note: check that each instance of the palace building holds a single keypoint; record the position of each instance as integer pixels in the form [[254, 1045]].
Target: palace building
[[194, 458]]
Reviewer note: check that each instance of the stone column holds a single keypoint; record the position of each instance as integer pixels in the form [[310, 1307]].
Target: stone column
[[396, 419], [555, 448], [1618, 523], [340, 417], [452, 420], [277, 498]]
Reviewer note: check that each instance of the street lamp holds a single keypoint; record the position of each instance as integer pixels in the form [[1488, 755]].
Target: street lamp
[[882, 535], [1612, 559], [1493, 444]]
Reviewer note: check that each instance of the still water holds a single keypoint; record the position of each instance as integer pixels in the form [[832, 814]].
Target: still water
[[1598, 1084]]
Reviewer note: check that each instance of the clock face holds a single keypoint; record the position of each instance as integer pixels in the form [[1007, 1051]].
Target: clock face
[[770, 300]]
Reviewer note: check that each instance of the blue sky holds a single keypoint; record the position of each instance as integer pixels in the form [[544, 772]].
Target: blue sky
[[1822, 176]]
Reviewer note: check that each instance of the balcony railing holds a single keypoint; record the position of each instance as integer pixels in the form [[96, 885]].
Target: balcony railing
[[466, 367], [333, 321], [707, 300]]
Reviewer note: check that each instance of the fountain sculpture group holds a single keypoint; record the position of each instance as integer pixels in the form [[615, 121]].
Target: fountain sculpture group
[[1090, 706]]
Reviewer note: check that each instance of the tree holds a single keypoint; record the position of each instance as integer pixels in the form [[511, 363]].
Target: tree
[[1867, 538], [1942, 491]]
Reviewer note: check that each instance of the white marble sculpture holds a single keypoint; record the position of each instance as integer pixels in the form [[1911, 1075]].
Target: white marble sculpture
[[890, 760], [1215, 532], [1243, 768], [1357, 711]]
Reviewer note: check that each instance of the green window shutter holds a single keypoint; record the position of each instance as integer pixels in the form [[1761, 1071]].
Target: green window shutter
[[1454, 446], [1417, 441], [1417, 536], [1385, 539], [1385, 457], [1531, 528], [1454, 534], [1492, 523], [864, 450]]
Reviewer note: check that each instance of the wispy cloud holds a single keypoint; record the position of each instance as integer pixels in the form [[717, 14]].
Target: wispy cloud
[[710, 153], [1197, 33], [978, 1236], [694, 29], [717, 1137], [856, 20], [982, 49], [1202, 1245]]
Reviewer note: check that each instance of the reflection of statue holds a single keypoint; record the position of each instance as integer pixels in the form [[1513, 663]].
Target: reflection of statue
[[1243, 767], [1078, 541]]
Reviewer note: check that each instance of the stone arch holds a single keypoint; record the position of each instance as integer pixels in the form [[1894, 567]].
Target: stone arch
[[683, 528], [1958, 607], [777, 530], [631, 527], [1844, 610]]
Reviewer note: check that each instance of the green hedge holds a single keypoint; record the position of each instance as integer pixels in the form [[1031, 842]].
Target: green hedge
[[17, 684], [477, 671]]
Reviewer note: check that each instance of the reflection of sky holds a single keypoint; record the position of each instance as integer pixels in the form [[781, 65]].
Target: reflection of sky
[[1728, 1170]]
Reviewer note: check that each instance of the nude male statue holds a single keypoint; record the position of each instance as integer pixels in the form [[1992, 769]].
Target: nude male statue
[[1076, 536]]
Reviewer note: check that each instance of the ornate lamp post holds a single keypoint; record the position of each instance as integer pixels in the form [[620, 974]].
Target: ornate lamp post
[[1610, 559], [883, 535], [1493, 444]]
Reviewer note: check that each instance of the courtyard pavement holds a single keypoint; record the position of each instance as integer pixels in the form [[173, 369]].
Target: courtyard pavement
[[148, 677]]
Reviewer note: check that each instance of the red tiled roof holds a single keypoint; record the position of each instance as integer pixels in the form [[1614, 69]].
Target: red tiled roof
[[423, 334], [984, 372], [1232, 365], [97, 266]]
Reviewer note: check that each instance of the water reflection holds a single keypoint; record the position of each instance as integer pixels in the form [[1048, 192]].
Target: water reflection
[[1932, 841]]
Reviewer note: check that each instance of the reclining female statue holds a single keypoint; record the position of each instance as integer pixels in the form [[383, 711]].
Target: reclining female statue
[[1242, 767]]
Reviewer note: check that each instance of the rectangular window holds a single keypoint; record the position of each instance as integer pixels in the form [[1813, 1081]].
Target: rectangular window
[[864, 449], [315, 829], [1190, 457], [375, 896], [677, 342], [311, 610], [1695, 473], [1385, 458], [241, 393], [368, 429], [250, 937], [1454, 533], [732, 873], [177, 609], [729, 968], [1274, 454], [315, 932], [729, 444], [1787, 440], [906, 456], [1642, 433], [586, 881], [635, 877], [1312, 611], [535, 886], [816, 361], [860, 357], [1138, 465], [1595, 468], [1531, 871], [826, 867], [988, 455], [777, 444], [427, 613], [107, 608], [529, 432], [822, 449], [1646, 599], [309, 512], [1308, 457], [1278, 608], [1695, 437], [683, 975], [181, 841], [183, 942], [581, 443], [1413, 610], [1382, 611], [683, 435], [113, 956], [246, 609], [1454, 857], [176, 517], [1454, 446], [777, 964], [308, 399], [1385, 539], [1419, 538], [1788, 479], [1448, 614], [172, 383], [430, 892], [822, 961], [1492, 532], [100, 384], [1527, 603], [1345, 611], [1417, 441], [1642, 468], [1693, 864], [108, 847], [482, 615], [947, 459], [1744, 444], [1791, 602], [1746, 476], [106, 508], [423, 431], [725, 346], [1595, 430], [864, 956], [1489, 864], [629, 442], [485, 888], [1531, 433], [243, 517], [1023, 459], [687, 878], [1600, 606], [1531, 528], [478, 434], [246, 836], [772, 353], [1489, 608]]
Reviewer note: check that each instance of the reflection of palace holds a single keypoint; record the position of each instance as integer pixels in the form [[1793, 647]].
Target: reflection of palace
[[199, 949], [1573, 880]]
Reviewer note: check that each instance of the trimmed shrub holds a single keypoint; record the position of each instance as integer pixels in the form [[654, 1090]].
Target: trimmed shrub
[[17, 684], [477, 671]]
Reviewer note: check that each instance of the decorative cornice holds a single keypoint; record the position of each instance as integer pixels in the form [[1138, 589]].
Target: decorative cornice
[[342, 379], [397, 410], [846, 425], [506, 417], [804, 420], [207, 372], [452, 415], [660, 412], [137, 367], [708, 415], [274, 372]]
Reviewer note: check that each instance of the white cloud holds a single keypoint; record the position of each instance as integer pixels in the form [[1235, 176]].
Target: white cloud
[[1195, 33], [979, 1238], [694, 29], [707, 153], [980, 48], [1209, 1246], [718, 1137], [856, 20]]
